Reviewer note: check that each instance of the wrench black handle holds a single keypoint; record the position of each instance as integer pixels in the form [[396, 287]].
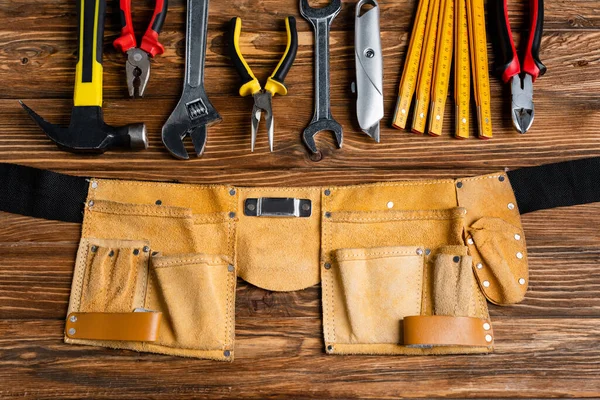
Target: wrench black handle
[[88, 71]]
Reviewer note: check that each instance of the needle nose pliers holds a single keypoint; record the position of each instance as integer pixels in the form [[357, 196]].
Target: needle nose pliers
[[138, 63], [521, 76], [251, 85]]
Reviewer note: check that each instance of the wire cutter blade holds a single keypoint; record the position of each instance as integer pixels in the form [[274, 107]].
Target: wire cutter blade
[[522, 102]]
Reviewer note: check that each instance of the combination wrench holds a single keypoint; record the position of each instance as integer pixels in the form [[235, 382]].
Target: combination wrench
[[321, 19], [194, 112]]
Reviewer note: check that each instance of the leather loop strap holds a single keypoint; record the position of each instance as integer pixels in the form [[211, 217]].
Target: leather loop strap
[[133, 326], [442, 330]]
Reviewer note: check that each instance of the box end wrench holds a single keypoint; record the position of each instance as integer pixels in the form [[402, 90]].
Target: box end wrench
[[321, 19], [194, 112]]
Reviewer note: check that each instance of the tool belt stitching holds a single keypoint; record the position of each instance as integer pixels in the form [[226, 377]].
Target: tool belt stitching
[[394, 184], [189, 261], [142, 209], [383, 219], [382, 253], [477, 178]]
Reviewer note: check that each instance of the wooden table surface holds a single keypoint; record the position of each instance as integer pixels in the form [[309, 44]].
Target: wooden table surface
[[547, 346]]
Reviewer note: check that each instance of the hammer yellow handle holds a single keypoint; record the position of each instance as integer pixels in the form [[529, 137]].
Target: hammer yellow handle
[[88, 71]]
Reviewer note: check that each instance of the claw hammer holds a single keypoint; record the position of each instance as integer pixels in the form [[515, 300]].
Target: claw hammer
[[87, 131]]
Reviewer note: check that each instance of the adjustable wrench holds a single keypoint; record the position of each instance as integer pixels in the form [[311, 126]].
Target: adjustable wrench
[[194, 112], [321, 19]]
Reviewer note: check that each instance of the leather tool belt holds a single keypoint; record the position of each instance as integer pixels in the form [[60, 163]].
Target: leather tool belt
[[405, 267]]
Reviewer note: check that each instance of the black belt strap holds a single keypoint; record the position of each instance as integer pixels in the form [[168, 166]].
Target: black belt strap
[[556, 185], [42, 194], [45, 194]]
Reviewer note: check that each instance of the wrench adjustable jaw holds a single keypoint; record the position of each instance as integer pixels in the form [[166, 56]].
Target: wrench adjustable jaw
[[321, 19], [194, 112]]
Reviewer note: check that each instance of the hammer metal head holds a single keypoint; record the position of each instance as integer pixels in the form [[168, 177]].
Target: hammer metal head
[[87, 132]]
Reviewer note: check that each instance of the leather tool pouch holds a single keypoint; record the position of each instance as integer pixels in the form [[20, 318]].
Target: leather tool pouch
[[405, 267], [156, 250], [397, 275]]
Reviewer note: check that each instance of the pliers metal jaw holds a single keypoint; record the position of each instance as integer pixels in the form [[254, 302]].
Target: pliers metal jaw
[[262, 103], [520, 73], [137, 67], [522, 102], [250, 84]]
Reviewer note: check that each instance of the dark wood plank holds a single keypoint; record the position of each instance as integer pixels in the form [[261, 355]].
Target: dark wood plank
[[535, 358]]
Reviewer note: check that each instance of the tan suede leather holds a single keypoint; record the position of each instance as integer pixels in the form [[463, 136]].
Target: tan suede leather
[[382, 252], [133, 326]]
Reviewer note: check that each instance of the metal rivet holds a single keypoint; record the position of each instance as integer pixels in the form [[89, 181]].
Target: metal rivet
[[146, 249], [230, 268], [305, 207], [226, 353], [501, 178], [488, 338], [390, 204], [427, 252], [369, 53], [327, 192], [519, 255], [251, 207], [456, 259], [486, 327], [327, 265], [403, 111], [522, 281], [112, 253], [470, 241], [91, 203], [517, 236], [94, 249], [327, 214], [73, 318], [459, 184], [329, 348], [437, 117], [422, 115], [232, 215], [136, 252], [72, 331], [232, 192], [420, 252], [464, 120], [94, 184], [158, 202], [511, 206], [479, 265], [486, 284]]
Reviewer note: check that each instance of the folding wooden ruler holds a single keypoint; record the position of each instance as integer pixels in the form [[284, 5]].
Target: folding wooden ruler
[[443, 28]]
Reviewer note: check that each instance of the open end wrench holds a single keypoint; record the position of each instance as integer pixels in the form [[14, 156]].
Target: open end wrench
[[321, 19], [194, 112]]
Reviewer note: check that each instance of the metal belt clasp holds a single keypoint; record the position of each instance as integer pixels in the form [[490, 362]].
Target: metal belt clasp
[[278, 207]]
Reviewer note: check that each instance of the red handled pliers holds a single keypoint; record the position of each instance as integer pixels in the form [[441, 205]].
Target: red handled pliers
[[138, 63], [521, 76]]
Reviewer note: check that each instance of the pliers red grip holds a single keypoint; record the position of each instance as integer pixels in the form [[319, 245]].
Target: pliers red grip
[[521, 73], [138, 65]]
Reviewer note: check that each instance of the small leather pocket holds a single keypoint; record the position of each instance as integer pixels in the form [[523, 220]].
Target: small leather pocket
[[195, 293], [114, 275], [500, 258], [379, 286]]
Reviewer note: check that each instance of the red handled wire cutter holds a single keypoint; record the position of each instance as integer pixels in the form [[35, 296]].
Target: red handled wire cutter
[[137, 67], [521, 75]]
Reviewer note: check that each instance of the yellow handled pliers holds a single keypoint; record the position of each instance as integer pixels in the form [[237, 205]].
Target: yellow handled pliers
[[274, 85]]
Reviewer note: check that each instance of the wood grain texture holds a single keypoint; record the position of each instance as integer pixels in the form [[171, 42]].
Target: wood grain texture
[[547, 346]]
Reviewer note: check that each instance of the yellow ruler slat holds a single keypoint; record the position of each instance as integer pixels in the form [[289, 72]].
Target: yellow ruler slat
[[479, 62], [426, 69], [462, 74], [411, 67], [442, 69]]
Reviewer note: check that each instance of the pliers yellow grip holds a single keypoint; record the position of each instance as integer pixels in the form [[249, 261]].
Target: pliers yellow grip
[[251, 85]]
